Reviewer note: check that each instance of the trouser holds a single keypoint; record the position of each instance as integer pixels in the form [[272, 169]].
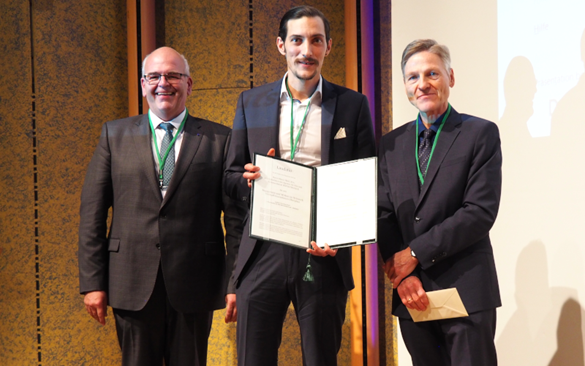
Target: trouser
[[274, 279], [160, 332], [467, 341]]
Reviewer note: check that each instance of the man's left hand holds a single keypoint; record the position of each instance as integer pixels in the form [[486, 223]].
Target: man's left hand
[[399, 266], [231, 311], [412, 294], [321, 252]]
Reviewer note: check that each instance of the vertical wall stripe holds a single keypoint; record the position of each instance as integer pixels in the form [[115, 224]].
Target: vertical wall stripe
[[251, 27], [36, 192], [132, 29], [370, 252]]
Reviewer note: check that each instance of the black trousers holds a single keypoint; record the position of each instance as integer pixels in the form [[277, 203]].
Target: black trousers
[[159, 332], [273, 280], [467, 341]]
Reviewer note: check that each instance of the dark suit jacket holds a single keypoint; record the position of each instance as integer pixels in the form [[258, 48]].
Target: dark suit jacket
[[183, 232], [256, 129], [447, 223]]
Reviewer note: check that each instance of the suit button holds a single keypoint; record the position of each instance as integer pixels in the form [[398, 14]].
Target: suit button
[[417, 219], [157, 246]]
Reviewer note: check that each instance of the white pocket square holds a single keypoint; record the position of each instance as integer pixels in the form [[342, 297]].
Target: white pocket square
[[340, 134]]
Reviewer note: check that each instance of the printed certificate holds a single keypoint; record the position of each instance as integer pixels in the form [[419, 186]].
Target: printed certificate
[[294, 204]]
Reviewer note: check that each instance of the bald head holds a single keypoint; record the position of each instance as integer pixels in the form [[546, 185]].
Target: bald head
[[167, 51], [168, 85]]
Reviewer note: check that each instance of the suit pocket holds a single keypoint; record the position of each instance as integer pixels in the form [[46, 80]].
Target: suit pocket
[[214, 248], [113, 245]]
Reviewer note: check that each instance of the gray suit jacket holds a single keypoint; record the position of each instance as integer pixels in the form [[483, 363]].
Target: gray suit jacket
[[183, 233]]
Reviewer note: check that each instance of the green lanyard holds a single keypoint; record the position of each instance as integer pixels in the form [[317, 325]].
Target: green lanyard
[[162, 160], [294, 143], [420, 176]]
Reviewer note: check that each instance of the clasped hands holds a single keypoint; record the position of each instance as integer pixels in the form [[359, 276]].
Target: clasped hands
[[409, 288], [253, 172]]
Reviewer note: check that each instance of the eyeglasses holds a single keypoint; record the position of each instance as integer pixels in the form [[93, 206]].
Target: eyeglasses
[[172, 77]]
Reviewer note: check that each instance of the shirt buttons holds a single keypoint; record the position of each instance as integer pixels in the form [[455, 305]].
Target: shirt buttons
[[157, 246]]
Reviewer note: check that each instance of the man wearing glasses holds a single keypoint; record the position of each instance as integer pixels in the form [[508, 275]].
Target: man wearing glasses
[[162, 266]]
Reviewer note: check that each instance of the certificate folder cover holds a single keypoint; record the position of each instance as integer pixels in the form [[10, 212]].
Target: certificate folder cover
[[294, 204]]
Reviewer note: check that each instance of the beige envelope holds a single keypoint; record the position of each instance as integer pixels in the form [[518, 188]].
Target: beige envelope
[[443, 304]]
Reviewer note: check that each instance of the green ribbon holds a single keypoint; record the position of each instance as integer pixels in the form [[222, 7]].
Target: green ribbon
[[294, 143], [162, 160], [420, 176]]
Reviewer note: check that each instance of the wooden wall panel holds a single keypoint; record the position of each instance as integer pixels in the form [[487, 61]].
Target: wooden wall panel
[[78, 51], [214, 37], [80, 63], [18, 330]]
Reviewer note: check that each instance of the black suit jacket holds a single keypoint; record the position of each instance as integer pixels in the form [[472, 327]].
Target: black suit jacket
[[256, 129], [183, 232], [447, 222]]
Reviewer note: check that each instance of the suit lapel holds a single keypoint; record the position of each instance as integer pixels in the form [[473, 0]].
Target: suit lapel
[[272, 114], [329, 102], [446, 139], [192, 135], [410, 170], [142, 137]]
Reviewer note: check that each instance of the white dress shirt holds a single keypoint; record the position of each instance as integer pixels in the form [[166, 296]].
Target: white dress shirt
[[308, 150]]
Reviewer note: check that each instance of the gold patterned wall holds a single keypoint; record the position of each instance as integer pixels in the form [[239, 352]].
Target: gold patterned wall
[[17, 205], [66, 75]]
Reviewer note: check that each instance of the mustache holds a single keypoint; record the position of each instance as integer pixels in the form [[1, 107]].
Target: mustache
[[308, 59]]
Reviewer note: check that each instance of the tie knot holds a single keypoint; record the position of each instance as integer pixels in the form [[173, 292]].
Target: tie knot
[[167, 126], [428, 134]]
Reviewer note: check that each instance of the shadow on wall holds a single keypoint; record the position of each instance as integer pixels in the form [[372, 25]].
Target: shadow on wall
[[563, 123], [569, 336], [529, 335]]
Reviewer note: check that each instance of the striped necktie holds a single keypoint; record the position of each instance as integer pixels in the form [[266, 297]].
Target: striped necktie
[[169, 164]]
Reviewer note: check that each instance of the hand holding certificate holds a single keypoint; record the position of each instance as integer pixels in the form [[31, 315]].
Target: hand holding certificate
[[294, 204]]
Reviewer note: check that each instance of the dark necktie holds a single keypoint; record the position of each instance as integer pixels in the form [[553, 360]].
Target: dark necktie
[[424, 150], [169, 164]]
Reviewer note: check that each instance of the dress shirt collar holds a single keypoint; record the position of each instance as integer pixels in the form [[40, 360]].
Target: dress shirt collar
[[316, 98], [435, 126], [176, 122]]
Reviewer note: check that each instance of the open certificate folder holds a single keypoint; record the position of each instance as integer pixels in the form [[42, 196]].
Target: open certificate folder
[[294, 204]]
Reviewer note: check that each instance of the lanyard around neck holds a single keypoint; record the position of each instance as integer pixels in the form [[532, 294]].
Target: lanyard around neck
[[294, 142], [420, 176], [162, 159]]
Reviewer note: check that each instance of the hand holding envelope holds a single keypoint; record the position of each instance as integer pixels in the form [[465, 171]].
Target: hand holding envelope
[[443, 304]]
